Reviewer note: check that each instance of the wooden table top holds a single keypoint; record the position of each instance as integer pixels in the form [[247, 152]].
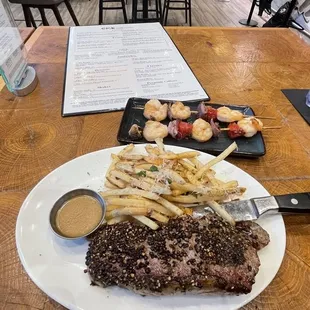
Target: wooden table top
[[26, 32], [235, 65]]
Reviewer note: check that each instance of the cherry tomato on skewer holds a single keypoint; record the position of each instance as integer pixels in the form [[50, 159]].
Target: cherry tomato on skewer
[[235, 131], [184, 130]]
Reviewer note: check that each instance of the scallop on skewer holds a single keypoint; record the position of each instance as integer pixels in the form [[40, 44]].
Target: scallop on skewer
[[223, 114], [179, 111], [247, 127], [202, 131], [155, 111], [153, 130]]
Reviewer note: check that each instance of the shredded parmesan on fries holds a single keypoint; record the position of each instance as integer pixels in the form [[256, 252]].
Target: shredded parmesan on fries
[[162, 184]]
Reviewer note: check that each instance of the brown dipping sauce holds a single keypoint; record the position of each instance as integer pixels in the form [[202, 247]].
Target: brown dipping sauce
[[78, 216]]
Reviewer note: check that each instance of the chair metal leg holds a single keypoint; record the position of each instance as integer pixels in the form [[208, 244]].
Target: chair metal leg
[[134, 11], [57, 15], [160, 12], [166, 11], [186, 10], [33, 22], [156, 8], [27, 14], [145, 9], [69, 7], [100, 12], [43, 17], [190, 11], [124, 11], [163, 13]]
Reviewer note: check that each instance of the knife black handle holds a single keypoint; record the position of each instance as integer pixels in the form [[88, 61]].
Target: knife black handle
[[295, 203]]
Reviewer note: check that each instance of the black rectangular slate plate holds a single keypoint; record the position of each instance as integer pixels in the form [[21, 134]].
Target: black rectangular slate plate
[[247, 147], [297, 98]]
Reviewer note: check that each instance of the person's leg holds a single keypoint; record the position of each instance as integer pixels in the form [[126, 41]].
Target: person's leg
[[307, 16], [303, 20], [304, 6]]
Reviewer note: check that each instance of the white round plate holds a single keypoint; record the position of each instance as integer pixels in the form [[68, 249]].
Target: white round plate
[[57, 265]]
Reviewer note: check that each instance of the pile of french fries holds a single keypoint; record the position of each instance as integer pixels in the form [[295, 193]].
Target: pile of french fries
[[160, 185]]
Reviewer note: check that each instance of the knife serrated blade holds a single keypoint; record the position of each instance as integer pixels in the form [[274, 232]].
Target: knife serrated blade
[[252, 209]]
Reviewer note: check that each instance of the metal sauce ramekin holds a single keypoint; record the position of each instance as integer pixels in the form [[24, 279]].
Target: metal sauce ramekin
[[68, 196]]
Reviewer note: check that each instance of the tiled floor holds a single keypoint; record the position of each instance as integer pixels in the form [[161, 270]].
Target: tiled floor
[[213, 13], [204, 13]]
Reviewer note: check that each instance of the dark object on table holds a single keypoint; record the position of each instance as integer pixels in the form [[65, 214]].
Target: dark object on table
[[308, 99], [247, 147], [41, 5], [135, 132], [264, 5], [187, 9], [201, 255], [157, 11], [102, 7], [298, 98]]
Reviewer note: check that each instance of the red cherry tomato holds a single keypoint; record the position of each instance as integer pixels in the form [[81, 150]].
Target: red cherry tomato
[[184, 130], [235, 131], [211, 114]]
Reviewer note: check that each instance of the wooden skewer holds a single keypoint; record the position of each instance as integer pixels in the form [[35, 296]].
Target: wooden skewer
[[246, 116], [272, 127], [265, 127], [259, 116]]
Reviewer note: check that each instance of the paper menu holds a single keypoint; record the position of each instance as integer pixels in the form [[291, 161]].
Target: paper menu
[[108, 64], [9, 36], [12, 61]]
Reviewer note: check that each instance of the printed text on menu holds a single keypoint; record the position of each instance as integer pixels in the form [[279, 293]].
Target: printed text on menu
[[106, 65]]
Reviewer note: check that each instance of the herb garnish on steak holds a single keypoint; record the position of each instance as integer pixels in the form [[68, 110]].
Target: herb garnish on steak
[[201, 255]]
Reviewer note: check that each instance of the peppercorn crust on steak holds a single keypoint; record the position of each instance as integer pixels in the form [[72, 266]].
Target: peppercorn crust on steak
[[199, 255]]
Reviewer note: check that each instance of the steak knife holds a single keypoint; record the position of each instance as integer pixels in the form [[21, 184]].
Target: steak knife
[[252, 209]]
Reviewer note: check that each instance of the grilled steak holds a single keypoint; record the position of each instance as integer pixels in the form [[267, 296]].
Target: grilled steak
[[199, 255]]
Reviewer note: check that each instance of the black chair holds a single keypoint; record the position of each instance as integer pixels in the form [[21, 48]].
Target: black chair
[[41, 5], [102, 7], [146, 9], [187, 8]]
